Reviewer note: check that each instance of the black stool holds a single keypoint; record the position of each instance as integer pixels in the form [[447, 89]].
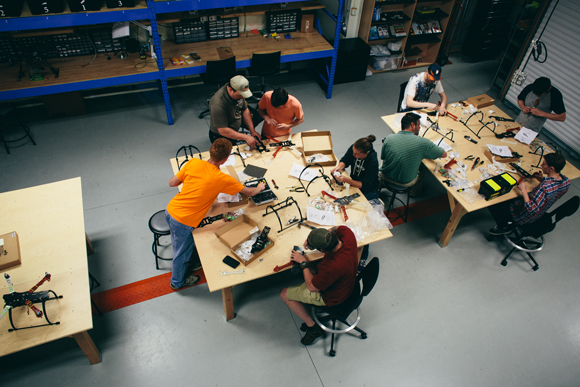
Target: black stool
[[159, 227], [7, 113], [397, 189]]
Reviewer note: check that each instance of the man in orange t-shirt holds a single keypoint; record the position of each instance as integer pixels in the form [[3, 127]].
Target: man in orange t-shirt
[[202, 183], [281, 112]]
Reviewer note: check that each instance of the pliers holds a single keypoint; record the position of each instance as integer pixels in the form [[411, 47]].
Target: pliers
[[470, 157], [296, 188]]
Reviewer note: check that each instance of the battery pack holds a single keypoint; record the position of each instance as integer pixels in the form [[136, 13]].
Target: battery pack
[[497, 186]]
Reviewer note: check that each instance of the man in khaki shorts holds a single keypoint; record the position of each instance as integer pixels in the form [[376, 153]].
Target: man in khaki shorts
[[335, 278]]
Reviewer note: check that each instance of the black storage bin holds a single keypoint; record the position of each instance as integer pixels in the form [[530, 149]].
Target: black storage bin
[[352, 60], [11, 8], [120, 3], [41, 7], [84, 5]]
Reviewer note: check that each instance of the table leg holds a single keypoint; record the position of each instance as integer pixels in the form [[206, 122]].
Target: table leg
[[456, 215], [452, 201], [228, 301], [88, 347]]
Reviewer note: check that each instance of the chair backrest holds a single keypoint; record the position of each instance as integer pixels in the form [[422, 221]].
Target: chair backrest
[[187, 151], [547, 223], [265, 64], [369, 276], [219, 71], [401, 95]]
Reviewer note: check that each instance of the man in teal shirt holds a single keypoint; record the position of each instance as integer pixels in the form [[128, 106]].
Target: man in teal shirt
[[403, 152]]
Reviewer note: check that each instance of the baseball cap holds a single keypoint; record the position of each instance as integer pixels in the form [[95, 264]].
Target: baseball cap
[[435, 71], [321, 239], [241, 84]]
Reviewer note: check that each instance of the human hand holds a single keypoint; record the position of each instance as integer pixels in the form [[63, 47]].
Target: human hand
[[261, 186], [538, 176], [283, 126], [341, 179], [251, 141], [526, 109], [522, 186], [297, 256], [442, 110], [432, 106], [270, 121]]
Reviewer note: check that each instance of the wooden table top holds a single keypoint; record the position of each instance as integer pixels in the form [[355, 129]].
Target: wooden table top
[[212, 251], [466, 148], [49, 222]]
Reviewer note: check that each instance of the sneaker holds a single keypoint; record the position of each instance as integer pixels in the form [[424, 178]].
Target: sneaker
[[501, 230], [312, 334], [189, 281]]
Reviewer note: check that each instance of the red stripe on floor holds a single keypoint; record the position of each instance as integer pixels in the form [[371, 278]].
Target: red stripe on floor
[[158, 286], [137, 292]]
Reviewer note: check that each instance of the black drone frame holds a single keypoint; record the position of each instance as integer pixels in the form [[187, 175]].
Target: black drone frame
[[277, 207], [322, 175]]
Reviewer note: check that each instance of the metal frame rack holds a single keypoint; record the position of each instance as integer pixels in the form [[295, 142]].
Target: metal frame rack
[[150, 12]]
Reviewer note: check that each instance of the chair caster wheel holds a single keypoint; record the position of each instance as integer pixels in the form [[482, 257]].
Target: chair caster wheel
[[363, 336], [200, 116], [503, 263], [332, 353], [535, 268]]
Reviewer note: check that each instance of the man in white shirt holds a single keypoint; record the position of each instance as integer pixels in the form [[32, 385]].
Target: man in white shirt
[[420, 88]]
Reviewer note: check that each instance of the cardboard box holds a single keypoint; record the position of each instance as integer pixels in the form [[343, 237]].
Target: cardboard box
[[235, 233], [9, 251], [307, 26], [318, 142], [481, 101]]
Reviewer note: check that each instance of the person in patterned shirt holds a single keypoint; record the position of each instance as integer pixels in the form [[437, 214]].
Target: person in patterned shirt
[[530, 207]]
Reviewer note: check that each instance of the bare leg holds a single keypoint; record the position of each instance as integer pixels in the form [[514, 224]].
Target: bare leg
[[298, 308]]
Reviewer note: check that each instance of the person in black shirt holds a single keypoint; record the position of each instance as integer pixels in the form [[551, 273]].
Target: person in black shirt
[[362, 159], [537, 101]]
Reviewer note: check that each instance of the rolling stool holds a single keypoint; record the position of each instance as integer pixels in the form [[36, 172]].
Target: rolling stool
[[5, 113], [159, 227], [397, 189]]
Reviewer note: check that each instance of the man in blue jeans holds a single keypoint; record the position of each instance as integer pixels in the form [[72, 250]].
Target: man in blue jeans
[[202, 183]]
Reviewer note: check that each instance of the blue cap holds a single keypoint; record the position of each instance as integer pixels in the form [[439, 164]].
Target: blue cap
[[435, 71]]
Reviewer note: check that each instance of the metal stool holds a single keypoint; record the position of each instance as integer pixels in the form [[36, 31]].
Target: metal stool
[[5, 113], [159, 227], [397, 189]]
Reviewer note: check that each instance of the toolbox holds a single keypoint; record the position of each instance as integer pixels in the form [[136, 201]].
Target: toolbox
[[496, 186]]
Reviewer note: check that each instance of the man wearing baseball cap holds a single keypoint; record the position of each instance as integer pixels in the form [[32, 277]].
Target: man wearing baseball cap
[[228, 109], [419, 89], [334, 279]]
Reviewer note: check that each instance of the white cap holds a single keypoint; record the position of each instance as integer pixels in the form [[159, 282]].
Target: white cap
[[241, 85]]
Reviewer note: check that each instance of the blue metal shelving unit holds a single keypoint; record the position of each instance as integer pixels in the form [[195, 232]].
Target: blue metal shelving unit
[[150, 13]]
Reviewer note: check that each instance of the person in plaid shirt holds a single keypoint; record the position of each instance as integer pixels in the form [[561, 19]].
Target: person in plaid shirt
[[530, 207]]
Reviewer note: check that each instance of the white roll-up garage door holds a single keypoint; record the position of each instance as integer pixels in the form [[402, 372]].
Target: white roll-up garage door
[[562, 39]]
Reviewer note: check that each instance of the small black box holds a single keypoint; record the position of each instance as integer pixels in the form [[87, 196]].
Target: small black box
[[120, 3], [41, 7], [84, 5], [11, 8], [497, 186]]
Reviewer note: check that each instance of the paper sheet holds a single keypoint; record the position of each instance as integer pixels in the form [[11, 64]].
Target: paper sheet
[[324, 218], [503, 151], [225, 198], [526, 136], [308, 174], [230, 161], [441, 143]]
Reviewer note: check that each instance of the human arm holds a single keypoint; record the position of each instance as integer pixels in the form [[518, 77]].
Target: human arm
[[247, 117], [292, 124], [550, 116], [235, 135], [269, 120], [298, 257], [340, 167], [414, 104], [174, 181], [522, 97], [524, 108], [443, 107], [251, 191]]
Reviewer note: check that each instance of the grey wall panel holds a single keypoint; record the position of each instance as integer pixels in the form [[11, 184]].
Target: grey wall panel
[[562, 38]]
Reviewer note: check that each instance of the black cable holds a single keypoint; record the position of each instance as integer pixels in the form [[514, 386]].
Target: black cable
[[537, 52], [540, 43]]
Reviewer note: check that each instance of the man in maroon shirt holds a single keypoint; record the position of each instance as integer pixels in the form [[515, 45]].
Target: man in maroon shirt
[[335, 278]]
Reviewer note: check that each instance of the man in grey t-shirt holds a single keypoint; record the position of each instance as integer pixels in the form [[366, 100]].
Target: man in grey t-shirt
[[228, 108], [537, 101]]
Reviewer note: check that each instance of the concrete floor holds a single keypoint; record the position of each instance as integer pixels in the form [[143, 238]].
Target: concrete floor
[[436, 317]]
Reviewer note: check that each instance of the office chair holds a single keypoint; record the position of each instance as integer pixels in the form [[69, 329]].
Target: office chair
[[341, 312], [262, 65], [187, 151], [217, 72], [9, 119], [529, 238], [401, 95]]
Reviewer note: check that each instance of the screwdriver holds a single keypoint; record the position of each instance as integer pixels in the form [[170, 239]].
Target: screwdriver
[[475, 163]]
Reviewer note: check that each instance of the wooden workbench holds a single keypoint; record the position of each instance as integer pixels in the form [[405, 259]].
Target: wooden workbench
[[459, 206], [49, 222], [212, 251]]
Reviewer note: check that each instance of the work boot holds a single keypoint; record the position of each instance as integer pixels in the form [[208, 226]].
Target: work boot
[[501, 230], [189, 281], [312, 334]]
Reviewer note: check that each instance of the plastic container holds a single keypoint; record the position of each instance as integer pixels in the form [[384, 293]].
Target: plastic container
[[381, 63], [120, 3], [41, 7], [11, 8], [84, 5]]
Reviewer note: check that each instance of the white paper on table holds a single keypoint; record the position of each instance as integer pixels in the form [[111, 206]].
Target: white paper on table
[[324, 218], [230, 161], [243, 177], [526, 135], [308, 174], [441, 143], [225, 198], [500, 150]]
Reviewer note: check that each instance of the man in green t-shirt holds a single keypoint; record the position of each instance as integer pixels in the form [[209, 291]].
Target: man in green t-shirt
[[403, 152]]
